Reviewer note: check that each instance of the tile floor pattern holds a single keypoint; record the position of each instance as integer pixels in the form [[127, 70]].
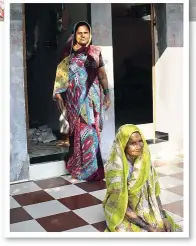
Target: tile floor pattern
[[57, 205]]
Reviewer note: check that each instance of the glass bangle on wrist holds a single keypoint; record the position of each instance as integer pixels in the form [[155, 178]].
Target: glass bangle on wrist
[[141, 224], [163, 214], [106, 91]]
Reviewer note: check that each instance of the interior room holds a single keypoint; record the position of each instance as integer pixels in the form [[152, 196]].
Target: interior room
[[132, 55]]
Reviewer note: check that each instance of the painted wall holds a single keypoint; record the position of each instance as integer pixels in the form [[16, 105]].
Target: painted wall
[[174, 17], [192, 9], [169, 96], [169, 75], [19, 161], [160, 30], [102, 36], [169, 26]]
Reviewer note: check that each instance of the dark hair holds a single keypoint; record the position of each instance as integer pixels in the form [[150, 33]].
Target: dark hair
[[81, 23]]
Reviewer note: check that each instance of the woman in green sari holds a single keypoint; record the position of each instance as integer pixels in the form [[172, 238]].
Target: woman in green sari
[[132, 202]]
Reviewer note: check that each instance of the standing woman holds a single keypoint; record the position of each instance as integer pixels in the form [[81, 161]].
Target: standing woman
[[81, 98]]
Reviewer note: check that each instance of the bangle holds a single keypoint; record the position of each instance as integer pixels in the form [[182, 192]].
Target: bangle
[[106, 91], [141, 224], [163, 214]]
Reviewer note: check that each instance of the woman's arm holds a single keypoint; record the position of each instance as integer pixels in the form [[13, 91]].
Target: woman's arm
[[104, 84], [163, 214], [103, 80], [166, 223], [102, 75], [133, 218], [60, 102]]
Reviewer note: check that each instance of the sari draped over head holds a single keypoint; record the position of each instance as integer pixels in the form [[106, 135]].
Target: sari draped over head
[[138, 192], [77, 78]]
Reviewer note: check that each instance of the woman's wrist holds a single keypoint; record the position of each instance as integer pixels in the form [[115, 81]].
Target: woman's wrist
[[163, 214], [58, 96], [106, 91], [137, 221]]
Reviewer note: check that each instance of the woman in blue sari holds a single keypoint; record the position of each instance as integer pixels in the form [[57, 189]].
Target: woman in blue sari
[[86, 95]]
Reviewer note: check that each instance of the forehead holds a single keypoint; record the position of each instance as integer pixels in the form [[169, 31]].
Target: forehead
[[82, 29], [135, 136]]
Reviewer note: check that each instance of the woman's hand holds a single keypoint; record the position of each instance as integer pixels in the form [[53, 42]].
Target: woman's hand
[[106, 102], [60, 103], [167, 225]]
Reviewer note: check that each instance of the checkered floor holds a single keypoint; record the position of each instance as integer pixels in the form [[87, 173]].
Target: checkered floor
[[57, 205]]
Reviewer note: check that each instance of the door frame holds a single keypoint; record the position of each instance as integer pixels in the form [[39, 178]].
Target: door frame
[[153, 80], [25, 64], [25, 73], [153, 23]]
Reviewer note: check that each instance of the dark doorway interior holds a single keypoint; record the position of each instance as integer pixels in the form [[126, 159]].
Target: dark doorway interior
[[132, 50], [45, 41]]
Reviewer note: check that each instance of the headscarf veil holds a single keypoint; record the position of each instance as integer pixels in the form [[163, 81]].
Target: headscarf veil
[[62, 73], [116, 174]]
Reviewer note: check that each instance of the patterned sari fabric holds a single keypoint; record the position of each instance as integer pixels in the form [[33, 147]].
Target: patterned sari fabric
[[83, 102], [139, 191]]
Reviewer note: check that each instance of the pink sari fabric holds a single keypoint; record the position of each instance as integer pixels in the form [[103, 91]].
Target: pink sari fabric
[[83, 101]]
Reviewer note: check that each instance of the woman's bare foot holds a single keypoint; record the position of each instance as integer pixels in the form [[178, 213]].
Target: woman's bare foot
[[63, 143], [73, 180]]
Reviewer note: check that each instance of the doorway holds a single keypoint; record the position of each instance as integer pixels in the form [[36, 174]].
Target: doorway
[[45, 41], [133, 59]]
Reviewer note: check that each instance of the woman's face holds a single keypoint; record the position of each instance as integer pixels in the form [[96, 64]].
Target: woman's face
[[134, 146], [82, 35]]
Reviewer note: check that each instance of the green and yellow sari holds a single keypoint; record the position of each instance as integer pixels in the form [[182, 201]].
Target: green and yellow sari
[[138, 192]]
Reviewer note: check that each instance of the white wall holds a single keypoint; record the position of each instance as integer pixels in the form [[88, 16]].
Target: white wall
[[192, 10], [102, 36], [169, 96]]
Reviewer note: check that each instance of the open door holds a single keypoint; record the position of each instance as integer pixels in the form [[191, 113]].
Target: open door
[[44, 40], [133, 53], [153, 23], [25, 72]]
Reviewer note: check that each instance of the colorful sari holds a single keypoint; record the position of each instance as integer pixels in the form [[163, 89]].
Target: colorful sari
[[83, 102], [137, 191]]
